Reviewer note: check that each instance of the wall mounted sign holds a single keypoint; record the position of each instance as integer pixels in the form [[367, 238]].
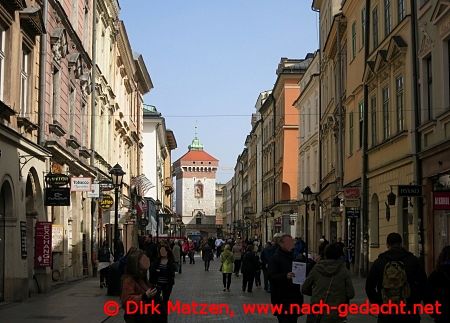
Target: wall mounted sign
[[57, 196], [43, 245], [95, 191], [23, 239], [57, 180], [352, 213], [409, 190], [106, 202], [353, 203], [80, 184], [352, 192], [57, 238], [441, 200]]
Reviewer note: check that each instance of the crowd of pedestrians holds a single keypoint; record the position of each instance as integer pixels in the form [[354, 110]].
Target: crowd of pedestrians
[[148, 274]]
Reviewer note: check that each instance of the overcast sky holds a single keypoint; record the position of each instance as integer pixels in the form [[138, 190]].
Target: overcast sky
[[210, 59]]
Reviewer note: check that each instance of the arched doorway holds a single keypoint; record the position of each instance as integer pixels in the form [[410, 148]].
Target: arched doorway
[[6, 210]]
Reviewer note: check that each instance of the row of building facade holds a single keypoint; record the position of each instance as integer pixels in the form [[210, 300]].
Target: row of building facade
[[71, 106], [364, 122]]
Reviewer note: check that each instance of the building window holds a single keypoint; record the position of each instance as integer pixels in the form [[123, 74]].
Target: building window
[[387, 17], [429, 87], [363, 26], [353, 39], [55, 94], [375, 27], [399, 98], [24, 82], [361, 119], [72, 114], [401, 10], [373, 114], [2, 59], [350, 135], [386, 121]]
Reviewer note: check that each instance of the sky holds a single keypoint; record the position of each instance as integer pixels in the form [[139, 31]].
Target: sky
[[210, 59]]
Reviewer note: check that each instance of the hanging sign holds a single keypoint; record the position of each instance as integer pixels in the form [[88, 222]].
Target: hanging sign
[[57, 196], [57, 238], [95, 191], [409, 190], [441, 200], [57, 180], [106, 202], [106, 186], [80, 184], [351, 193], [43, 245]]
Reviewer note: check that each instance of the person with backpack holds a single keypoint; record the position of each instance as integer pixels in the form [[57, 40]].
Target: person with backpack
[[396, 276], [331, 282], [439, 286]]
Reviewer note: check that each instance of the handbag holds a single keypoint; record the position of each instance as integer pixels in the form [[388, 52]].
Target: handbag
[[319, 317]]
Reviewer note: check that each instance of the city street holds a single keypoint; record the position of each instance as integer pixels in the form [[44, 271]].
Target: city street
[[83, 301]]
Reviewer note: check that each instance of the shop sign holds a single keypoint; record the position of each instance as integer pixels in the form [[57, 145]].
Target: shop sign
[[354, 203], [57, 196], [43, 245], [95, 191], [441, 200], [23, 239], [409, 190], [106, 186], [57, 238], [351, 193], [106, 202], [57, 180], [352, 213], [80, 184], [351, 242]]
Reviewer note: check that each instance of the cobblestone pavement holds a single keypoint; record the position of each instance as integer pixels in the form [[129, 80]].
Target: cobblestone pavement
[[83, 301]]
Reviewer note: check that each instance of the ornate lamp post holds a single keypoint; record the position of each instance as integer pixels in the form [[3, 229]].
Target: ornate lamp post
[[308, 196], [117, 179], [157, 208]]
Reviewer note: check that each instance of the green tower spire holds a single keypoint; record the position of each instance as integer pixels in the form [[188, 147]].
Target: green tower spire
[[196, 144]]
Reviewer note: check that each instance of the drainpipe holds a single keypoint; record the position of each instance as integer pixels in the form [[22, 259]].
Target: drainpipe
[[42, 75], [418, 210], [93, 129], [340, 155], [363, 251]]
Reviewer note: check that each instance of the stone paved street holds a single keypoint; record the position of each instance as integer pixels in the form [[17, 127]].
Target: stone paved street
[[83, 301]]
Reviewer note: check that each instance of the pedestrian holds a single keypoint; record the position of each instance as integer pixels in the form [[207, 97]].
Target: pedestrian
[[323, 244], [250, 263], [266, 255], [176, 250], [207, 255], [104, 261], [237, 254], [299, 247], [329, 281], [283, 291], [439, 286], [256, 250], [150, 248], [396, 276], [191, 252], [185, 250], [162, 274], [219, 243], [137, 288], [227, 261]]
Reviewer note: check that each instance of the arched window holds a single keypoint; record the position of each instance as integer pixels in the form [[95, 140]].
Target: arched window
[[374, 223]]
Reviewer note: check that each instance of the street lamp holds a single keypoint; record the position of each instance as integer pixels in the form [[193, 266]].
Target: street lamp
[[117, 179], [157, 208], [308, 196]]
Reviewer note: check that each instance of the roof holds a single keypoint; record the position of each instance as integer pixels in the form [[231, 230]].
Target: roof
[[197, 155]]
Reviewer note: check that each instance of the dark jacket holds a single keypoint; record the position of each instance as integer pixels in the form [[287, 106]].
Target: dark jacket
[[439, 288], [267, 254], [154, 271], [207, 253], [250, 263], [416, 277], [283, 291], [331, 282]]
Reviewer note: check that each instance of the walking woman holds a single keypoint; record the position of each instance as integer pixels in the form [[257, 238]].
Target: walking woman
[[162, 274], [104, 258], [207, 255], [250, 263], [136, 287], [329, 281], [227, 260], [439, 285], [237, 254], [191, 252]]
